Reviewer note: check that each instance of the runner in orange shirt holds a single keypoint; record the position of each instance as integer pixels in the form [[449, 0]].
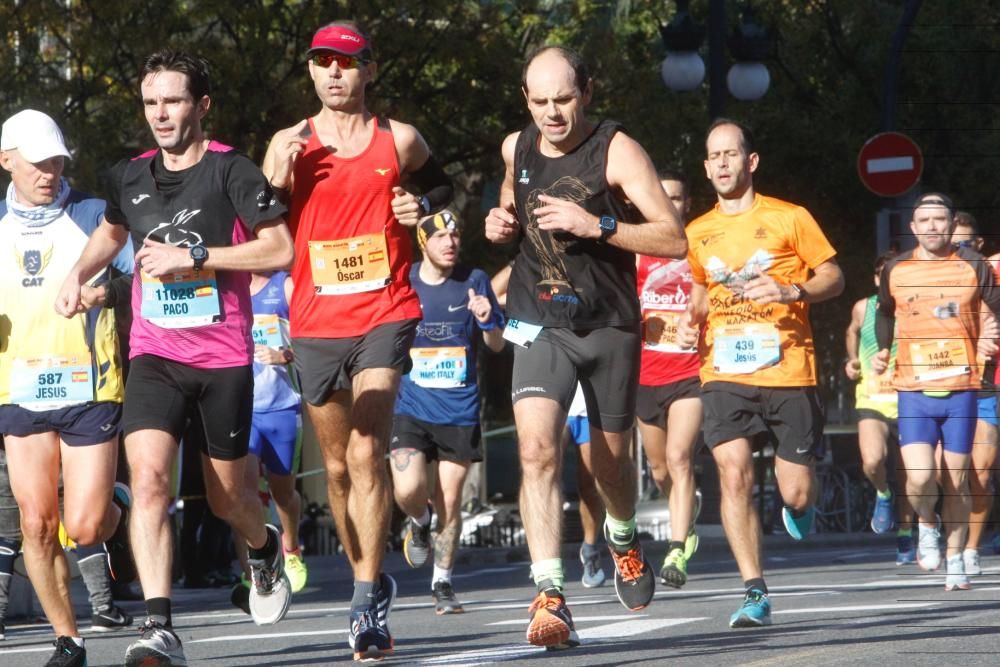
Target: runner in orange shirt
[[756, 263], [930, 298]]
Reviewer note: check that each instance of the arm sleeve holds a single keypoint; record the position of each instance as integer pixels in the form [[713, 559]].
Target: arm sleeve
[[251, 194], [432, 183], [885, 313]]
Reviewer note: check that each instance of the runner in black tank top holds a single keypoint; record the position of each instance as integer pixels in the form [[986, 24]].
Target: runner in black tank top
[[574, 315]]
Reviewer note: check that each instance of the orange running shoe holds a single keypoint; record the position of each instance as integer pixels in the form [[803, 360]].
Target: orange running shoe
[[551, 623]]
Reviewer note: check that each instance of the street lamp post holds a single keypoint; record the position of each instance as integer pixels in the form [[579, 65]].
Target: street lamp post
[[684, 70]]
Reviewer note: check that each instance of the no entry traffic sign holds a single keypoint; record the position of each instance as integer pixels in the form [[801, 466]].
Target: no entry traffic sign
[[890, 163]]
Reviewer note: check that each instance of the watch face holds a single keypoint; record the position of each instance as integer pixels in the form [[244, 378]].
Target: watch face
[[198, 252], [607, 223]]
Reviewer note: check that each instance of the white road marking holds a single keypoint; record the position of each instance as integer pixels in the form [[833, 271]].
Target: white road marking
[[576, 619], [885, 164], [489, 570], [772, 594], [275, 635], [858, 607]]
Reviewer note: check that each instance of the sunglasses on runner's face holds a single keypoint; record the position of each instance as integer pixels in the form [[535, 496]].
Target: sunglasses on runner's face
[[324, 60]]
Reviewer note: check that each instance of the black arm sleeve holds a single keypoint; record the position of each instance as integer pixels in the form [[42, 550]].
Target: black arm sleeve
[[432, 183], [885, 313], [119, 289]]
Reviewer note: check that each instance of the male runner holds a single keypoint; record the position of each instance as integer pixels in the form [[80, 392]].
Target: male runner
[[437, 410], [757, 263], [353, 311], [275, 432], [931, 299], [574, 315], [668, 405], [875, 404], [60, 378], [202, 216], [985, 439]]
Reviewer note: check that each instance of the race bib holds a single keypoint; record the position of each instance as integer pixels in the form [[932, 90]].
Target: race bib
[[660, 331], [521, 333], [880, 387], [266, 331], [937, 359], [181, 300], [439, 367], [49, 383], [350, 266], [746, 348]]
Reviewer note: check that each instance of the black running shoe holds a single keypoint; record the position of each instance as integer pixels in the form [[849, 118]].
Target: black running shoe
[[635, 582], [110, 619], [67, 654], [445, 601], [271, 593], [371, 640]]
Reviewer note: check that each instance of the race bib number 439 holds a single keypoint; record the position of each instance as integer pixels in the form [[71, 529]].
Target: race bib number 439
[[181, 300], [350, 266], [745, 349]]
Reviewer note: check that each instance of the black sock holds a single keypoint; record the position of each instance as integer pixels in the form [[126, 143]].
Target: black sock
[[158, 609], [674, 544], [364, 595], [265, 551], [756, 584]]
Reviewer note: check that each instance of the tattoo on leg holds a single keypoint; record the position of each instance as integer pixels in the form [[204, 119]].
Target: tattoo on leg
[[401, 458], [446, 542]]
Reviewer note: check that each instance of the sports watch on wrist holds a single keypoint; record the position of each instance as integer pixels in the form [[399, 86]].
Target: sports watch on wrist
[[199, 255], [608, 226]]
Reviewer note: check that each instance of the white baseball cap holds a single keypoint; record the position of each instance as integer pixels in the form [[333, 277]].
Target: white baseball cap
[[35, 136]]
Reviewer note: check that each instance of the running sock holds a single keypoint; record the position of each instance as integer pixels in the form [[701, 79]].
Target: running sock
[[440, 574], [549, 571], [8, 550], [78, 641], [904, 532], [425, 518], [674, 544], [620, 533], [158, 609], [886, 495], [756, 584], [364, 595], [269, 549], [93, 563]]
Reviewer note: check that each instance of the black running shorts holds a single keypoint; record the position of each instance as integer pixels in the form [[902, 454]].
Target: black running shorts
[[791, 418], [460, 444], [163, 395], [327, 365], [652, 403], [605, 362]]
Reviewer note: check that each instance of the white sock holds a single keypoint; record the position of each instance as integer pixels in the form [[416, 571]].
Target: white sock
[[424, 519], [440, 574]]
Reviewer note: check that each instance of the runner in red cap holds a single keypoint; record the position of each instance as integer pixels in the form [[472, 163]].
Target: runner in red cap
[[353, 312]]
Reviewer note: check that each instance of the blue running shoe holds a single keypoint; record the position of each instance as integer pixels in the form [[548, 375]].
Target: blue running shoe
[[882, 520], [799, 527], [906, 550], [755, 611]]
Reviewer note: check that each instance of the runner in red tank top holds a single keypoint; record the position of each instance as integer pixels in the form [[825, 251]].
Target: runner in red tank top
[[353, 312]]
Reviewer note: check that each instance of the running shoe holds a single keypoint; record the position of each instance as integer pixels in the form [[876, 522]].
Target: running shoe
[[956, 578], [271, 593], [3, 632], [691, 544], [634, 578], [882, 515], [906, 551], [67, 654], [296, 571], [971, 559], [929, 547], [754, 612], [371, 641], [798, 527], [551, 623], [385, 596], [416, 543], [593, 573], [120, 560], [674, 570], [995, 543], [445, 601], [110, 619], [240, 595], [157, 645]]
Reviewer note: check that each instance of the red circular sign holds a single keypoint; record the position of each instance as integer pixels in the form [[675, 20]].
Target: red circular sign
[[890, 163]]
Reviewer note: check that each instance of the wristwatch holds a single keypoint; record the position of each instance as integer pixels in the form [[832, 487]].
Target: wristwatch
[[425, 206], [199, 255], [608, 226], [800, 294]]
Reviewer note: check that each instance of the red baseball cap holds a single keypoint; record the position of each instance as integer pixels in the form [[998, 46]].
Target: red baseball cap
[[341, 39]]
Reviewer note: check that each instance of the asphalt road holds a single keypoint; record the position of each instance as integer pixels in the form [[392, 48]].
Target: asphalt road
[[836, 600]]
